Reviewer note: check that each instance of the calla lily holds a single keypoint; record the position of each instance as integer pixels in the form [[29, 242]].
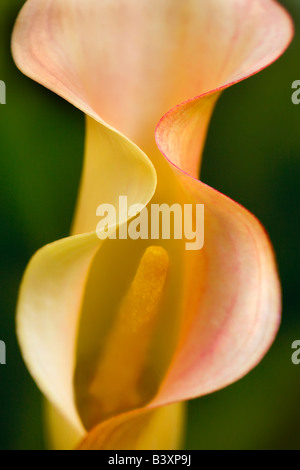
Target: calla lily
[[118, 333]]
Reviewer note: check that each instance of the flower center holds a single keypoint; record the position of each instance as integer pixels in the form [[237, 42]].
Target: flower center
[[116, 381]]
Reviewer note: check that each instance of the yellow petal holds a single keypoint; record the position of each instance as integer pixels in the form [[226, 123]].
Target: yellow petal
[[47, 316], [53, 286], [59, 433], [113, 166]]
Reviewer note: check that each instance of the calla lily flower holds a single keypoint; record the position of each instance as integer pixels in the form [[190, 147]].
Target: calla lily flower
[[119, 333]]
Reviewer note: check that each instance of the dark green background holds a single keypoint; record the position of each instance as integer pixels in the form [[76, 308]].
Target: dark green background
[[252, 155]]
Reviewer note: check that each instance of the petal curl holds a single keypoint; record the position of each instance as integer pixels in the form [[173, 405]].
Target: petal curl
[[109, 156], [47, 316], [53, 286]]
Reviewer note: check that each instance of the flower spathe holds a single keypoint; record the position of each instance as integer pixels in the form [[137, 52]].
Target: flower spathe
[[117, 333]]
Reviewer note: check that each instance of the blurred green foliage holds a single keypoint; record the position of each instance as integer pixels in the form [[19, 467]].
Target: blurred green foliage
[[252, 155]]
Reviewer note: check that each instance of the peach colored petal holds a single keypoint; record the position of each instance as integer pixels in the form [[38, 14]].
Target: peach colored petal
[[253, 34], [130, 61], [231, 303]]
